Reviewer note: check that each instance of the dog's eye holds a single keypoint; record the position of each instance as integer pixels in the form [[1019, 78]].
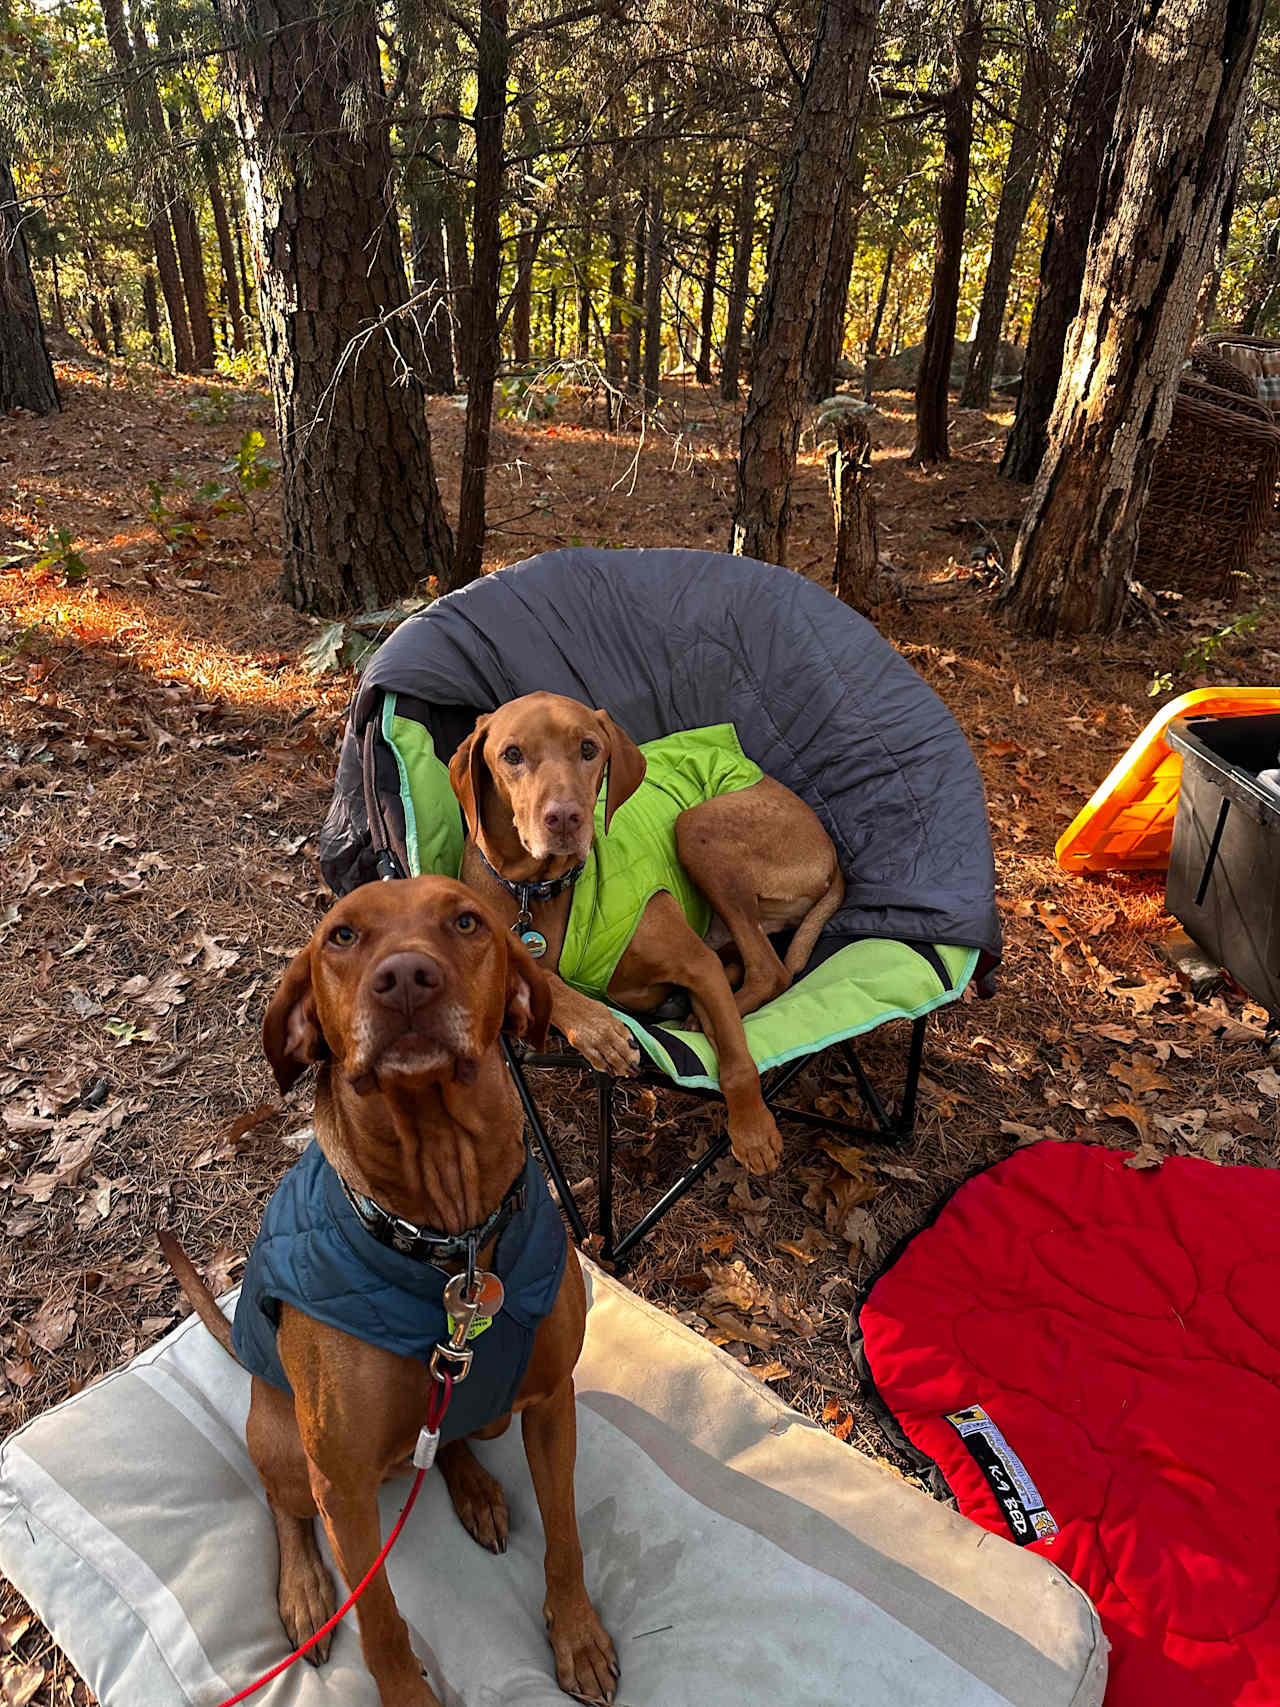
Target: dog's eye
[[467, 923], [589, 750], [342, 936], [511, 755]]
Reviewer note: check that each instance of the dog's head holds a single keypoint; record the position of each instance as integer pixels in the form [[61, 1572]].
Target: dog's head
[[402, 984], [545, 757]]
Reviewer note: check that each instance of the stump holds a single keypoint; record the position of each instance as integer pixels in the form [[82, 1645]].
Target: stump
[[854, 510]]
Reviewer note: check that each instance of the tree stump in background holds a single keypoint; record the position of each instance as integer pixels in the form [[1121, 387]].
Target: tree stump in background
[[854, 510]]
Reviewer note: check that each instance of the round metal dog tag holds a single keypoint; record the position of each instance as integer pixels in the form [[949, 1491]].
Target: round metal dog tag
[[535, 942], [490, 1291]]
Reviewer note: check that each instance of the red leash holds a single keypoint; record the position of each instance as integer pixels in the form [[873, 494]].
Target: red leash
[[435, 1416]]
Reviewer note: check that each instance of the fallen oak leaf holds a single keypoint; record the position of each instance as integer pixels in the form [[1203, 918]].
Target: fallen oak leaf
[[14, 1627], [1145, 1156], [751, 1333], [859, 1231], [809, 1247], [1133, 1115], [771, 1371]]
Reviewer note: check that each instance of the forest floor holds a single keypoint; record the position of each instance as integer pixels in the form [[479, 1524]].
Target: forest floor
[[165, 763]]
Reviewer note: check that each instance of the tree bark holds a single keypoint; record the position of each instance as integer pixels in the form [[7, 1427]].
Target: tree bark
[[457, 252], [869, 355], [430, 282], [363, 522], [617, 296], [227, 255], [582, 273], [522, 304], [1022, 171], [828, 341], [933, 382], [819, 161], [639, 251], [142, 143], [26, 373], [151, 311], [1090, 119], [853, 509], [98, 325], [707, 315], [1167, 172], [115, 314], [186, 229], [492, 66], [744, 242], [653, 270]]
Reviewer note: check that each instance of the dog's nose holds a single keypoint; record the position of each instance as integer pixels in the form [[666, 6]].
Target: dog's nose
[[407, 981], [563, 818]]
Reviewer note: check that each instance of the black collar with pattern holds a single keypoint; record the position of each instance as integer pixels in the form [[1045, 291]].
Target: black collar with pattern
[[523, 893], [427, 1244]]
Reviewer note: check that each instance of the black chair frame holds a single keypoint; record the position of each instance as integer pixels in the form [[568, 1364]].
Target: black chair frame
[[889, 1128]]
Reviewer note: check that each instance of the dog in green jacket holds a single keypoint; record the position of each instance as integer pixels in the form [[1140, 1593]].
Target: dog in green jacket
[[633, 872]]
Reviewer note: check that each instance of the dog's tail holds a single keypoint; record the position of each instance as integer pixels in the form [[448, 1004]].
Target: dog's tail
[[810, 927], [198, 1294]]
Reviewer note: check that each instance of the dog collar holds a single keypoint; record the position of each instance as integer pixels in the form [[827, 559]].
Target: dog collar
[[426, 1244], [523, 893]]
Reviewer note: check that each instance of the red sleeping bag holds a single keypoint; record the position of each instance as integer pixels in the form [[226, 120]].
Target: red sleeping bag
[[1091, 1355]]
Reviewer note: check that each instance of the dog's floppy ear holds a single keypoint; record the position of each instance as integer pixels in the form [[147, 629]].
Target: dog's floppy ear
[[291, 1036], [466, 774], [626, 766], [528, 1010]]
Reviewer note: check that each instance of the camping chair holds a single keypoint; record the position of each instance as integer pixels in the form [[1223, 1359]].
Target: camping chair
[[671, 640]]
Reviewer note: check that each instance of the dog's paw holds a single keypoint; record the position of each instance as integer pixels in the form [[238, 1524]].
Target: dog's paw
[[477, 1498], [758, 1146], [586, 1664], [307, 1600], [606, 1043]]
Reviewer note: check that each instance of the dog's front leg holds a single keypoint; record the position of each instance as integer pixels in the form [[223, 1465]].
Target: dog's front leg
[[592, 1030], [586, 1664], [349, 1506]]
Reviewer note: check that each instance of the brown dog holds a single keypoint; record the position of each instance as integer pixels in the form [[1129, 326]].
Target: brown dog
[[401, 996], [528, 778]]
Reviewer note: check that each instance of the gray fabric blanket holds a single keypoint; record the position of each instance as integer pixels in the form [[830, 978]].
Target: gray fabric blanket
[[673, 639]]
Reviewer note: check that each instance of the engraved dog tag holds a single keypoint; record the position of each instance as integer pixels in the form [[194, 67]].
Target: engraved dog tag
[[470, 1315], [535, 942]]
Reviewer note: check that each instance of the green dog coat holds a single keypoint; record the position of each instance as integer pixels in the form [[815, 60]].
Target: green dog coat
[[638, 857]]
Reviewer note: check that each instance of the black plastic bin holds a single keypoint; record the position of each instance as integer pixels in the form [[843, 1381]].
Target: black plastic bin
[[1224, 869]]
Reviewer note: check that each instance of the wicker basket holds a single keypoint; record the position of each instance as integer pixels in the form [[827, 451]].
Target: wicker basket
[[1212, 491], [1235, 348], [1207, 364]]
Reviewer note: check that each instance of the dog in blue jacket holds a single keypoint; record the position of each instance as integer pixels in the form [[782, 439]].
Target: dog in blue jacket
[[419, 1170]]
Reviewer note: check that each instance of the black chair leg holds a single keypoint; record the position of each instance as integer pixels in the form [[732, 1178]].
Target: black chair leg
[[545, 1148], [604, 1171]]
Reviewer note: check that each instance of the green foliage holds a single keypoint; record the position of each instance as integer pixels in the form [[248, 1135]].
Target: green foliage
[[210, 408], [1208, 650], [251, 472], [348, 645], [60, 553]]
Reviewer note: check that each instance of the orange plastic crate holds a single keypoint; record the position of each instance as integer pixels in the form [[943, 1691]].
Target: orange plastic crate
[[1127, 824]]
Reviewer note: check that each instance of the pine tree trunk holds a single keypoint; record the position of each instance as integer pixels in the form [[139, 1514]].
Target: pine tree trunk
[[744, 242], [853, 510], [457, 251], [186, 229], [639, 251], [143, 144], [870, 355], [237, 227], [1167, 172], [1022, 171], [707, 315], [492, 66], [115, 314], [151, 311], [363, 522], [1090, 119], [429, 282], [98, 325], [59, 309], [819, 161], [617, 296], [227, 255], [26, 373], [933, 382], [522, 304], [582, 279], [828, 339], [656, 238]]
